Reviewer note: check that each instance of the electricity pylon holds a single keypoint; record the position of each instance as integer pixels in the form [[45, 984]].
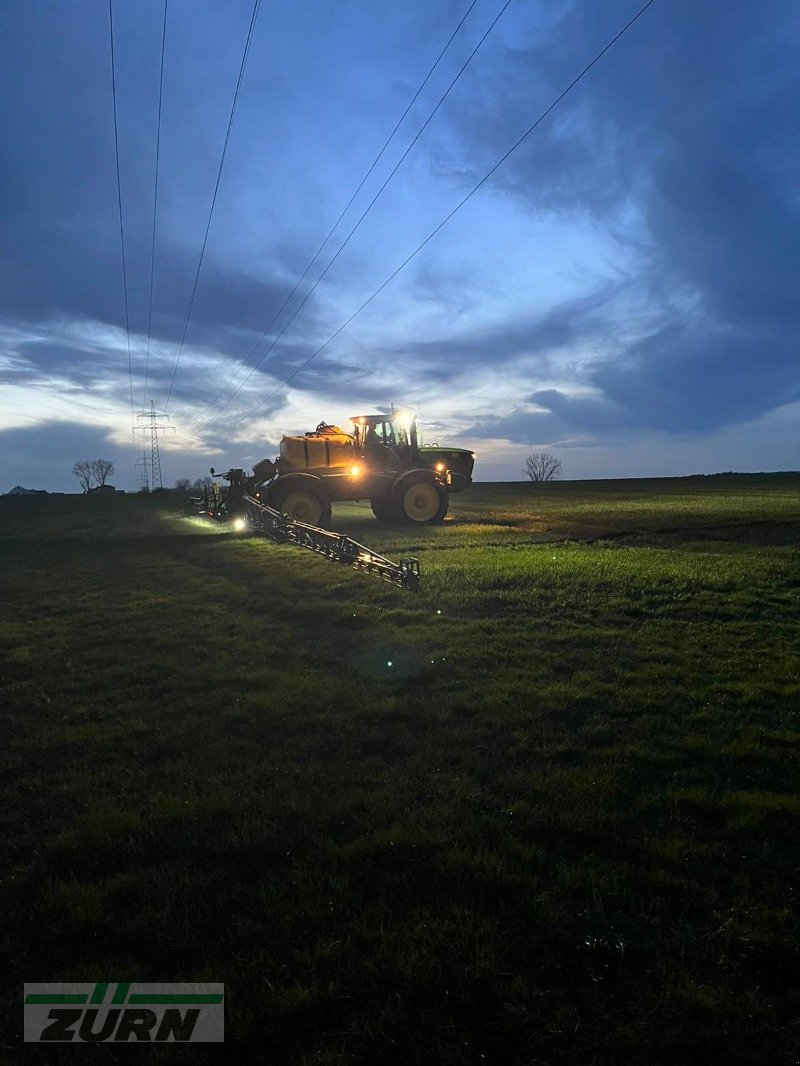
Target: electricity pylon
[[150, 420], [142, 473]]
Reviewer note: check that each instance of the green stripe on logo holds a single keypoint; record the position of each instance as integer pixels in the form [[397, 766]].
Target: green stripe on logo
[[120, 993], [99, 993]]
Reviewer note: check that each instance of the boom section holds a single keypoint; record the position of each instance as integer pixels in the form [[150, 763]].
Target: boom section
[[337, 547]]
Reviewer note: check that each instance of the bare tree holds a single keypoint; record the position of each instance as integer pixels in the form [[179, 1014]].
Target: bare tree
[[542, 466], [83, 472], [183, 484], [102, 469]]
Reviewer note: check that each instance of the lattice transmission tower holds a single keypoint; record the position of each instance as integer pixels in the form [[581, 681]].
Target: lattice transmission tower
[[143, 472], [154, 423]]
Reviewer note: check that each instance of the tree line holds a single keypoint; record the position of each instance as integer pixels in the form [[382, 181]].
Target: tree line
[[183, 484], [539, 466], [93, 470]]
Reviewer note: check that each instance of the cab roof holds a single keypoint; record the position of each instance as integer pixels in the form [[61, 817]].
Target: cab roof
[[372, 420]]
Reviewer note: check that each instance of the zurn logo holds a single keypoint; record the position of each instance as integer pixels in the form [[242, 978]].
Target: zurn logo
[[121, 1012]]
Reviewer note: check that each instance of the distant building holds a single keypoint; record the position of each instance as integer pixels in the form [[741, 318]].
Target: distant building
[[18, 490]]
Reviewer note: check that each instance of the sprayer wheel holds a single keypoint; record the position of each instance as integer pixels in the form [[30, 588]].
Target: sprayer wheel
[[305, 505]]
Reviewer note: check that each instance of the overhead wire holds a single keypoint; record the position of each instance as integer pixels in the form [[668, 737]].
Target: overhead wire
[[155, 208], [246, 52], [447, 218], [364, 214], [342, 213], [119, 202]]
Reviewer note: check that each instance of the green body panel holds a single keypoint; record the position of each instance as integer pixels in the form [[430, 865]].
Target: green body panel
[[459, 461]]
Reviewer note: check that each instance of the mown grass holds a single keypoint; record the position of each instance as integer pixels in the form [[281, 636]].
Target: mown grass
[[546, 810]]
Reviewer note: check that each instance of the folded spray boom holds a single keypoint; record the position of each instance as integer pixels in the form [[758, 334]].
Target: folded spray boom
[[334, 546]]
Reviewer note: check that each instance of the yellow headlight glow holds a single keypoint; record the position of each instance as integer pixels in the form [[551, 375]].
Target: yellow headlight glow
[[355, 470]]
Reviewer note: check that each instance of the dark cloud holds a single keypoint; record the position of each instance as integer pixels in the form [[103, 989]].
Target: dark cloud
[[518, 426], [81, 279], [693, 377], [42, 457], [550, 416], [691, 119], [59, 228], [541, 334], [86, 366]]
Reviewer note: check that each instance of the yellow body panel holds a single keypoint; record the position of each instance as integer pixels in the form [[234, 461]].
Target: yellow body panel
[[331, 449]]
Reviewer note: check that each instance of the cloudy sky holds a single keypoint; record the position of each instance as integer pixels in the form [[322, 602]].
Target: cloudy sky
[[624, 290]]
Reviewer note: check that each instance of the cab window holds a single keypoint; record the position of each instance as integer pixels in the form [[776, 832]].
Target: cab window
[[400, 434], [384, 433]]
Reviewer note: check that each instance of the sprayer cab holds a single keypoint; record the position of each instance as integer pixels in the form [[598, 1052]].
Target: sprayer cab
[[397, 432]]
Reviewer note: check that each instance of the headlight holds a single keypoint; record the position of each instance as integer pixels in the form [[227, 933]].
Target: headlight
[[355, 470], [440, 466], [239, 524]]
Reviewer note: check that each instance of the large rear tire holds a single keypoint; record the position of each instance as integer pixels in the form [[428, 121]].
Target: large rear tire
[[304, 503], [421, 501]]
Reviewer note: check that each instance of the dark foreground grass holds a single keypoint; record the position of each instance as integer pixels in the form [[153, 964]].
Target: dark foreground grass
[[545, 811]]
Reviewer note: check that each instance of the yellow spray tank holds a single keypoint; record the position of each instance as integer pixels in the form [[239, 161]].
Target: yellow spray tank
[[328, 448]]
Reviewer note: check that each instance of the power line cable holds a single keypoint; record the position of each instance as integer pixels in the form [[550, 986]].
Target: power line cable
[[445, 220], [369, 207], [343, 212], [119, 202], [253, 17], [155, 206]]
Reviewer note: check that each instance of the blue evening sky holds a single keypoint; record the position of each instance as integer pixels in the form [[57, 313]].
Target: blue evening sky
[[624, 291]]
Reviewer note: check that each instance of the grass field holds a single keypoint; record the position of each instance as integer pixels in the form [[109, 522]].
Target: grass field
[[546, 810]]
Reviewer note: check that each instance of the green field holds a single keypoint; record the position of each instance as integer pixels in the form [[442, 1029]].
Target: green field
[[546, 810]]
